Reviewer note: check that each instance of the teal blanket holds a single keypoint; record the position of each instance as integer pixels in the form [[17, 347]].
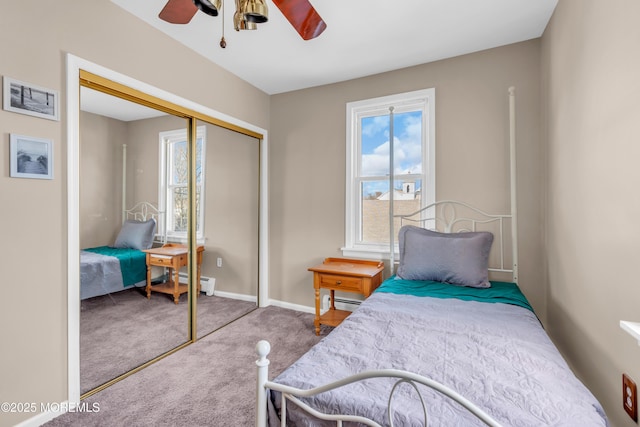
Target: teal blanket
[[499, 292], [133, 263]]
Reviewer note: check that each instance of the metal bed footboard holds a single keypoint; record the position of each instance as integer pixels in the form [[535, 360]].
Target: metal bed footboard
[[291, 394]]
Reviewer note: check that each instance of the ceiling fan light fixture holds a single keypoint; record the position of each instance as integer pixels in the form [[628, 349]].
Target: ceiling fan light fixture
[[239, 20], [239, 23], [254, 11], [210, 7], [249, 13]]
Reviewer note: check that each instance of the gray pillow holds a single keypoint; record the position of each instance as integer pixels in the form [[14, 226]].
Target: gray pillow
[[136, 234], [456, 258]]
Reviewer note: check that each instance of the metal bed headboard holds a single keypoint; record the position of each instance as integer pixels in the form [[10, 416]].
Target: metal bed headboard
[[513, 217], [143, 211], [450, 216]]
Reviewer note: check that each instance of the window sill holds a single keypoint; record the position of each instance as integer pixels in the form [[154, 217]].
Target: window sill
[[184, 240], [632, 328], [367, 253]]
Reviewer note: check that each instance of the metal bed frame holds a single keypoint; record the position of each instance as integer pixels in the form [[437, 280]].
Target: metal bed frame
[[143, 211], [402, 377], [451, 216], [441, 215]]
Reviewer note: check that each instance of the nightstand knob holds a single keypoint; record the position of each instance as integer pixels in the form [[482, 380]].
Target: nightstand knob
[[338, 282]]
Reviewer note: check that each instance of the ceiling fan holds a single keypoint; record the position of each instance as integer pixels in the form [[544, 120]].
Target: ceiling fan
[[300, 14]]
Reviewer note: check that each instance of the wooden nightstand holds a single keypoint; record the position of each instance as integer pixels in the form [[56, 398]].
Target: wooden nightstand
[[346, 275], [172, 256]]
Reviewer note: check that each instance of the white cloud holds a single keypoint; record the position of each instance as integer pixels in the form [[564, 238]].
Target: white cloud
[[407, 148], [376, 125]]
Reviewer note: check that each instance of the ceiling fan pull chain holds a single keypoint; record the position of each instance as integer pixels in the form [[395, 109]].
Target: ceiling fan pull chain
[[223, 42]]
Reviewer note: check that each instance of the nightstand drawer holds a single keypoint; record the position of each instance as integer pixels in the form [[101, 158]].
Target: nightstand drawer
[[161, 260], [341, 282]]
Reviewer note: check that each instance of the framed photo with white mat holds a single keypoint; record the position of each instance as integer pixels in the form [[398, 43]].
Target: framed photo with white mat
[[26, 98], [31, 157]]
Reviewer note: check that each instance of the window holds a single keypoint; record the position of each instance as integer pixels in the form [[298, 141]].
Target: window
[[368, 148], [173, 190]]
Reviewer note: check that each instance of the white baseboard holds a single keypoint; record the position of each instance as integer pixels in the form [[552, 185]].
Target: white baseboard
[[341, 304], [291, 306], [44, 417], [241, 297]]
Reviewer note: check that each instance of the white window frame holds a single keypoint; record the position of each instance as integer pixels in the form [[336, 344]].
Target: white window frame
[[409, 101], [165, 139]]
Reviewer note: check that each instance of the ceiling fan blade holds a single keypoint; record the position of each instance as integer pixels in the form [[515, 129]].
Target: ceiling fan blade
[[302, 16], [178, 11]]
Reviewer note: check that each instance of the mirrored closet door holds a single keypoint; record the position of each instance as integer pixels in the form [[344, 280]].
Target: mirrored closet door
[[120, 328], [197, 179]]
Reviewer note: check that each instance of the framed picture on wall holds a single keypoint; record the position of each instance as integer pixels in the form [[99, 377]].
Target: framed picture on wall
[[26, 98], [31, 157]]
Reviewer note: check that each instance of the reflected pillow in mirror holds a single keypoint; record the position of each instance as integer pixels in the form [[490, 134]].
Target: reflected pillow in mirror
[[136, 234], [456, 258]]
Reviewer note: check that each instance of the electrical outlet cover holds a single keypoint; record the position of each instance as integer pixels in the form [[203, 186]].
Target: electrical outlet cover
[[629, 397]]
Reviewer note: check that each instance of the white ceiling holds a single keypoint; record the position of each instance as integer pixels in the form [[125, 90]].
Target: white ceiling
[[103, 104], [363, 37]]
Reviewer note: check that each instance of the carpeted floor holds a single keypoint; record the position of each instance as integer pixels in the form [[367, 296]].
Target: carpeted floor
[[209, 383], [121, 331]]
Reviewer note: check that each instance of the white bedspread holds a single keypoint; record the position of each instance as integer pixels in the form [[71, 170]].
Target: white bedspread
[[496, 355]]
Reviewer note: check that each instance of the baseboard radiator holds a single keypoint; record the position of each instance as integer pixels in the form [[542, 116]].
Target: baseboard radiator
[[340, 303], [207, 284]]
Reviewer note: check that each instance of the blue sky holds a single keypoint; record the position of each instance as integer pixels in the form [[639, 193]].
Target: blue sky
[[407, 129]]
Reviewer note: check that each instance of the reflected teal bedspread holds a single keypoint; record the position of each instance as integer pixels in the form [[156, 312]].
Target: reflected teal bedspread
[[132, 262]]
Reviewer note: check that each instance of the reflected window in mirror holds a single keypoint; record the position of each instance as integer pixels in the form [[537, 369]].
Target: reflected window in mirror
[[173, 191]]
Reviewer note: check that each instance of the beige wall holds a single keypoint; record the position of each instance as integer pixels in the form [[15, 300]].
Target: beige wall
[[307, 158], [232, 208], [143, 156], [101, 179], [34, 39], [591, 96]]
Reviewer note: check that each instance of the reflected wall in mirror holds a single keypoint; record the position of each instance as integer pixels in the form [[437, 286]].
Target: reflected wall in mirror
[[120, 328], [230, 232]]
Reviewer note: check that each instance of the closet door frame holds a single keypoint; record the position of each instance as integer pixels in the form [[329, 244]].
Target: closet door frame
[[81, 72]]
